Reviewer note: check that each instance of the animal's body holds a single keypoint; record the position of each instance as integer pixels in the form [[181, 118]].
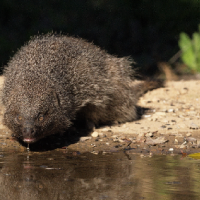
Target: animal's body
[[54, 80]]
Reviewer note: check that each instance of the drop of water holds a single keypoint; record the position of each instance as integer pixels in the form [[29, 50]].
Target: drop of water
[[28, 148]]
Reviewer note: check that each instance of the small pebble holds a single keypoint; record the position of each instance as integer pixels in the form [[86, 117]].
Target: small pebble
[[82, 139], [188, 134], [160, 113], [183, 90], [95, 134], [149, 134], [154, 118], [193, 126], [146, 116], [198, 143], [94, 152], [176, 141], [192, 112], [191, 139], [106, 129], [102, 135], [120, 140], [182, 146], [192, 108]]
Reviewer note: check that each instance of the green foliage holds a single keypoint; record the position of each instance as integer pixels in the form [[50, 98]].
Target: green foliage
[[190, 48]]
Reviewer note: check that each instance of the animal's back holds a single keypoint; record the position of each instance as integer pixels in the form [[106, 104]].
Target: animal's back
[[73, 67]]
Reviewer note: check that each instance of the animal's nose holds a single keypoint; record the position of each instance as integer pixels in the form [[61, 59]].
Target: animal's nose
[[28, 131]]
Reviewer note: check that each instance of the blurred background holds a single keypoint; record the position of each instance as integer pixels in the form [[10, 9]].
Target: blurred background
[[161, 36]]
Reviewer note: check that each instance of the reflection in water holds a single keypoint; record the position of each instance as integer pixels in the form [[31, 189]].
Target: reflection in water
[[58, 176]]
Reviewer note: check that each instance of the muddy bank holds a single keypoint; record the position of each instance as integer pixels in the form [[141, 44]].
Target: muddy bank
[[169, 124]]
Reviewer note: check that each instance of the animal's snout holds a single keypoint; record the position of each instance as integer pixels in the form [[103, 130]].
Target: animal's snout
[[28, 131]]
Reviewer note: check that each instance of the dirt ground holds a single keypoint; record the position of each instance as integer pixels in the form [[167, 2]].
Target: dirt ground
[[170, 124]]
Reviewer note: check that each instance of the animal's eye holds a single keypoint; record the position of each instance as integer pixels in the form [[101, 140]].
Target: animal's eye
[[41, 118], [19, 118]]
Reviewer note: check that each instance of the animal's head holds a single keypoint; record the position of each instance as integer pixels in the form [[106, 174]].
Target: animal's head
[[33, 112]]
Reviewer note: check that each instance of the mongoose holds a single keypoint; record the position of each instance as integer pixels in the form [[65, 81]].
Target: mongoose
[[56, 79]]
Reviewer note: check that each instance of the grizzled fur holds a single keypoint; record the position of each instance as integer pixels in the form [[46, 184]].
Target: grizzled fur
[[55, 79]]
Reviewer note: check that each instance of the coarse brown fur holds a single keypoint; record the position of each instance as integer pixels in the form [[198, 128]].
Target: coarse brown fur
[[56, 79]]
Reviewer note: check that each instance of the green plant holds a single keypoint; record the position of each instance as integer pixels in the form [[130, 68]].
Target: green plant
[[190, 48]]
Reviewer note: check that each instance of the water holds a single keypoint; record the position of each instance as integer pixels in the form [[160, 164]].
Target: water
[[57, 175]]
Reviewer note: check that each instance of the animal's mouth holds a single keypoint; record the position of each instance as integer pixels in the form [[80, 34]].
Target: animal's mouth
[[29, 140]]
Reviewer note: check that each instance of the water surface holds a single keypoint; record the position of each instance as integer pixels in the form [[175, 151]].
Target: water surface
[[57, 175]]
